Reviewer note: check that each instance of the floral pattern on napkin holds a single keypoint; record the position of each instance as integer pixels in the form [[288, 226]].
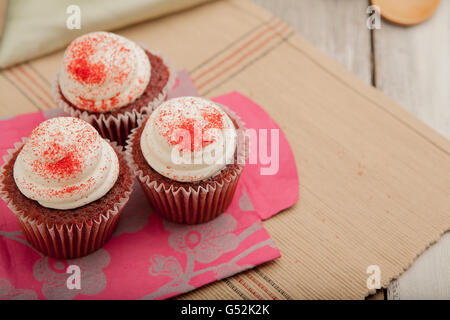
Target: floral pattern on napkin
[[148, 257]]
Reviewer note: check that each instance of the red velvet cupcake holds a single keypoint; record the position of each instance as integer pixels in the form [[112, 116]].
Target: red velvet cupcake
[[188, 156], [67, 187], [111, 82]]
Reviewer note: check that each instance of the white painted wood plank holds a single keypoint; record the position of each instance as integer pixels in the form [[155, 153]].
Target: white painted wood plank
[[413, 68], [428, 277], [337, 28]]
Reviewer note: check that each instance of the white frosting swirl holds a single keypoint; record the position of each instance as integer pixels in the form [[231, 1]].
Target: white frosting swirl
[[103, 72], [188, 139], [65, 164]]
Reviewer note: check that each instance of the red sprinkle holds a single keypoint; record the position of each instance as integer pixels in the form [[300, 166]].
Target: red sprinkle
[[66, 167], [109, 70], [86, 72], [81, 67], [54, 159], [171, 121]]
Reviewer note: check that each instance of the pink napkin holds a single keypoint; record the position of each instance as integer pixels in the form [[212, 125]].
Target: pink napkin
[[147, 257]]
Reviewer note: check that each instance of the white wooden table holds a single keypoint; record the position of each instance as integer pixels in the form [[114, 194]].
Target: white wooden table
[[411, 66]]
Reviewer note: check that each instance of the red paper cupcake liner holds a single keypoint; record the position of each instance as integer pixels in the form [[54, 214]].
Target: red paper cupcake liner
[[116, 127], [66, 241], [188, 205]]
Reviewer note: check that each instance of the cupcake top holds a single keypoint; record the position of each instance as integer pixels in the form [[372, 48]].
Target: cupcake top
[[103, 72], [65, 164], [188, 139]]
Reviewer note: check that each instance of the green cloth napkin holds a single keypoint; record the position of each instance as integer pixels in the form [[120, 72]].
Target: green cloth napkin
[[33, 28]]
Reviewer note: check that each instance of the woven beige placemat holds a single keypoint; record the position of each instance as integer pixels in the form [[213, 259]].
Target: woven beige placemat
[[374, 181]]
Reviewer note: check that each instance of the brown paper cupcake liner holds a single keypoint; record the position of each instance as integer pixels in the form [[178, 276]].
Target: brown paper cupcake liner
[[188, 205], [66, 241], [116, 127]]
